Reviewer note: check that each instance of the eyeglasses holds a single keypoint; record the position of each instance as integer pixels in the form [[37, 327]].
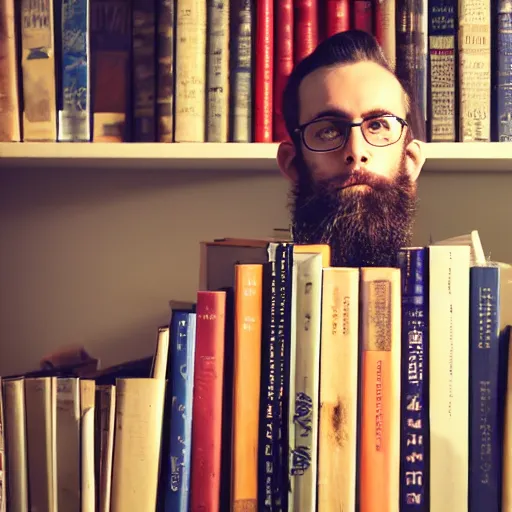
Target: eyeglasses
[[330, 133]]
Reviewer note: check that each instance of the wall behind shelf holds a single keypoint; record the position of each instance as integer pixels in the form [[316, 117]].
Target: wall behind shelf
[[92, 257]]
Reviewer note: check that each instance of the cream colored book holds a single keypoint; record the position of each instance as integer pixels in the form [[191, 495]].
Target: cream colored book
[[38, 71], [87, 437], [449, 280], [138, 432], [41, 416], [68, 444], [304, 455], [339, 355], [16, 443], [190, 94], [159, 369], [106, 402]]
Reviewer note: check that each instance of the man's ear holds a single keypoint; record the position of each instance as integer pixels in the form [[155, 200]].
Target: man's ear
[[414, 158], [286, 160]]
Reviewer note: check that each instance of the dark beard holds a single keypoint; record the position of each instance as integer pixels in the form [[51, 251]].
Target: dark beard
[[363, 228]]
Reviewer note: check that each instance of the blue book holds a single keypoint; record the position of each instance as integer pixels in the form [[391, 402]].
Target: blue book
[[485, 445], [181, 380], [414, 407]]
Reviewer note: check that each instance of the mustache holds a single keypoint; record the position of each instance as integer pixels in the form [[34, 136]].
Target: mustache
[[360, 177]]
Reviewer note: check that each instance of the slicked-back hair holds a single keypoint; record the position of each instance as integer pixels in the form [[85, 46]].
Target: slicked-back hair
[[347, 47]]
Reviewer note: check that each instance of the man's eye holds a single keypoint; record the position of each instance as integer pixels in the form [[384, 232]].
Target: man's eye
[[376, 125], [328, 133]]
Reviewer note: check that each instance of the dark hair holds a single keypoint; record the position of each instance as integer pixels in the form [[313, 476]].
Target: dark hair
[[346, 47]]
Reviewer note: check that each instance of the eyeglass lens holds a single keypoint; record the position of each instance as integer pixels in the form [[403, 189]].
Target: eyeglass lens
[[331, 133]]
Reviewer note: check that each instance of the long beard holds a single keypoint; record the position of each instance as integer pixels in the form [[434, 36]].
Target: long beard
[[363, 227]]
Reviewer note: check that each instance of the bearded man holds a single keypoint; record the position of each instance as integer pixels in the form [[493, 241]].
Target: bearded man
[[355, 152]]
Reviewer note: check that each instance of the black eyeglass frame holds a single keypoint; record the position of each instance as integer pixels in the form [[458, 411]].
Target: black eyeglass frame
[[300, 130]]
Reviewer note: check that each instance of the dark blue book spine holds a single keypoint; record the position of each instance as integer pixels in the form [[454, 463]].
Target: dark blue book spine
[[484, 413], [414, 440], [284, 267], [74, 118], [504, 71], [181, 366]]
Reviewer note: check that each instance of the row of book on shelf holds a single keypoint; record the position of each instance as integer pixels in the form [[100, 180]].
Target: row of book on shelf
[[288, 384], [188, 70]]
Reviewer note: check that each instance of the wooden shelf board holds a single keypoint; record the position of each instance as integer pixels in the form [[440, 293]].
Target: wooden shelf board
[[441, 157]]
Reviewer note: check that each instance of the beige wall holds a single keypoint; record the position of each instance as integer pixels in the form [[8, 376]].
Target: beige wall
[[92, 256]]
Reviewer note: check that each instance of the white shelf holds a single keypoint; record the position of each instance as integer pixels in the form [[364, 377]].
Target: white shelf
[[441, 157]]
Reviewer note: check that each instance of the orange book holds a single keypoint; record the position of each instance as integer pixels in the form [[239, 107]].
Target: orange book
[[380, 390], [246, 386]]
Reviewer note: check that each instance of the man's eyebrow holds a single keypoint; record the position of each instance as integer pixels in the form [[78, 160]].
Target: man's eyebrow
[[336, 112]]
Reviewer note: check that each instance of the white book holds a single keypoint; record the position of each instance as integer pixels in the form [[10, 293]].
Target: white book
[[449, 283]]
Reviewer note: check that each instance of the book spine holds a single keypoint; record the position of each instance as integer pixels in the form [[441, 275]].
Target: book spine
[[385, 29], [337, 444], [380, 390], [207, 401], [305, 28], [448, 377], [74, 118], [337, 17], [111, 36], [241, 74], [307, 382], [503, 120], [10, 130], [283, 37], [414, 491], [190, 109], [269, 405], [485, 443], [217, 92], [246, 386], [362, 15], [165, 70], [474, 37], [442, 16], [38, 71], [264, 70], [181, 370], [144, 70]]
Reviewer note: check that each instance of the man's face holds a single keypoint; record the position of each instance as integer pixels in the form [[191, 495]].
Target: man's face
[[359, 198]]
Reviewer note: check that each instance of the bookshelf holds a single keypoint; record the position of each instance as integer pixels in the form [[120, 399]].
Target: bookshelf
[[441, 157]]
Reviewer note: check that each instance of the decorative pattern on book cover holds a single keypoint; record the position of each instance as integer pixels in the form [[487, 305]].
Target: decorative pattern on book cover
[[241, 74], [264, 70], [111, 39], [442, 33], [207, 401], [474, 70], [181, 376], [503, 121], [414, 490], [485, 443], [165, 70], [190, 105], [9, 94], [217, 92], [38, 71], [385, 28], [74, 118], [144, 71], [305, 28]]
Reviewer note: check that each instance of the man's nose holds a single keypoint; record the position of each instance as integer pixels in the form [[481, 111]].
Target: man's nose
[[355, 151]]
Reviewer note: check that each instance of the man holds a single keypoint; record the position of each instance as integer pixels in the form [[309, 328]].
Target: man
[[354, 154]]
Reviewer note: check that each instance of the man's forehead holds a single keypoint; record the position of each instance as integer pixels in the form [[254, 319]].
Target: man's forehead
[[351, 88]]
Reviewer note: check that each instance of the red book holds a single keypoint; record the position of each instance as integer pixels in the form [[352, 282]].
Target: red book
[[337, 16], [363, 15], [305, 28], [264, 67], [207, 401], [283, 62]]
